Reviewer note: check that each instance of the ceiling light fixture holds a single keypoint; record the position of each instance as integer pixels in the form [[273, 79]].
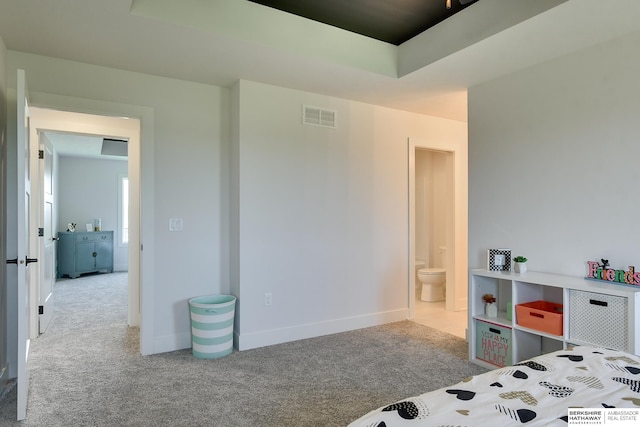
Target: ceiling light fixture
[[448, 4]]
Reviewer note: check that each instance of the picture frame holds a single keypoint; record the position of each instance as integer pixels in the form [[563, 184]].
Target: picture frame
[[499, 259], [89, 227]]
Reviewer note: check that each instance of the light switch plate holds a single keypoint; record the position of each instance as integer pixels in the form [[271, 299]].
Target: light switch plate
[[176, 224]]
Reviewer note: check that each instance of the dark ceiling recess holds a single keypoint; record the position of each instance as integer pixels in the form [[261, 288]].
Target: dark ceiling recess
[[392, 21]]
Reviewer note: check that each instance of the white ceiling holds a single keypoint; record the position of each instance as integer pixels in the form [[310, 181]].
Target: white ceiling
[[220, 41]]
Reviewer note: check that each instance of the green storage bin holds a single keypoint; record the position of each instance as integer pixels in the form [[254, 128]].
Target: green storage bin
[[212, 325], [493, 343]]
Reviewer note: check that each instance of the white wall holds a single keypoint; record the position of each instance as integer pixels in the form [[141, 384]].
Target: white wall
[[553, 161], [185, 147], [423, 206], [433, 199], [317, 217], [323, 213], [88, 189]]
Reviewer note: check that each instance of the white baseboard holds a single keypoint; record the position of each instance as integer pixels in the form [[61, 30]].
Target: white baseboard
[[311, 330], [181, 341], [175, 342]]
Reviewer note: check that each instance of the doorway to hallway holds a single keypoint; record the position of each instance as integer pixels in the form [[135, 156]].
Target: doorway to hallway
[[45, 121]]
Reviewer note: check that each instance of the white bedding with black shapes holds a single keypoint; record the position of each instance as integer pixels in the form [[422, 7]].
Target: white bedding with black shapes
[[536, 392]]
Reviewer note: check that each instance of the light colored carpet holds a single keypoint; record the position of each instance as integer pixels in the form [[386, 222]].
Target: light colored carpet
[[86, 371]]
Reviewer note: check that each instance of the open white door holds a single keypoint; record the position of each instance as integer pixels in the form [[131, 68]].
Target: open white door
[[24, 259], [47, 251]]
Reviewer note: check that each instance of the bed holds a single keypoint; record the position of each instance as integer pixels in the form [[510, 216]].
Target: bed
[[536, 392]]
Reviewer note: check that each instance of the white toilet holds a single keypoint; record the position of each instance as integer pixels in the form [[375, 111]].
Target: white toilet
[[433, 283]]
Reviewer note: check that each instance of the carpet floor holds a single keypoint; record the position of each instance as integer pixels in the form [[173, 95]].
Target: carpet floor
[[85, 370]]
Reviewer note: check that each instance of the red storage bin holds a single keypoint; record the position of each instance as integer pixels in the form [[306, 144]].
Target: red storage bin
[[542, 316]]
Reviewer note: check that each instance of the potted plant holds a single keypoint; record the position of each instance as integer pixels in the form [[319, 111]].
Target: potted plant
[[521, 264], [490, 306]]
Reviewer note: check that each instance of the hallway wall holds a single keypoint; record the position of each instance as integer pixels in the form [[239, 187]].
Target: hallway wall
[[88, 189]]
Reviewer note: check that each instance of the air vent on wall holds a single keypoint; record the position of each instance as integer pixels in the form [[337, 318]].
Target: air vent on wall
[[318, 116]]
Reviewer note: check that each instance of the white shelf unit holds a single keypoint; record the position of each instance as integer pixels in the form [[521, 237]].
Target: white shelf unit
[[594, 313]]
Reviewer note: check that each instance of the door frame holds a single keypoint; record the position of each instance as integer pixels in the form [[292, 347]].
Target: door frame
[[63, 114], [457, 233]]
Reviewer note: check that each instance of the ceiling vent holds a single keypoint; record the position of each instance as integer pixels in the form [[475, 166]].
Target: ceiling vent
[[318, 116], [114, 147]]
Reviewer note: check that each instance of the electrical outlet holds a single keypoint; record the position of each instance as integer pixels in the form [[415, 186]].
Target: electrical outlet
[[268, 299]]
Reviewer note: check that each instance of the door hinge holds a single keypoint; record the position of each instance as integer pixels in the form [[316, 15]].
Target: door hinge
[[40, 232], [41, 154], [41, 309]]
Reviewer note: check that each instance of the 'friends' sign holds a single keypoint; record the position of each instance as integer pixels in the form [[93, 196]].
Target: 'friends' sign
[[603, 272]]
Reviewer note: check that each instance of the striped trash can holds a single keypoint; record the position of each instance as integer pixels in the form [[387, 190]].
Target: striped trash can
[[212, 325]]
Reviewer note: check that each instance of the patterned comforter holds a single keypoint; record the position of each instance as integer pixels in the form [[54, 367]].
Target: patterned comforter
[[536, 392]]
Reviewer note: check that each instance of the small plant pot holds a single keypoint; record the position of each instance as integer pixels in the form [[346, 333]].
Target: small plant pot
[[521, 267]]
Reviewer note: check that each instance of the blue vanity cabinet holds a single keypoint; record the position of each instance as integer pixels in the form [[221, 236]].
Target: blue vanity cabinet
[[84, 252]]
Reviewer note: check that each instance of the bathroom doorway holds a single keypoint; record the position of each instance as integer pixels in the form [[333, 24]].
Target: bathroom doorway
[[438, 235]]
